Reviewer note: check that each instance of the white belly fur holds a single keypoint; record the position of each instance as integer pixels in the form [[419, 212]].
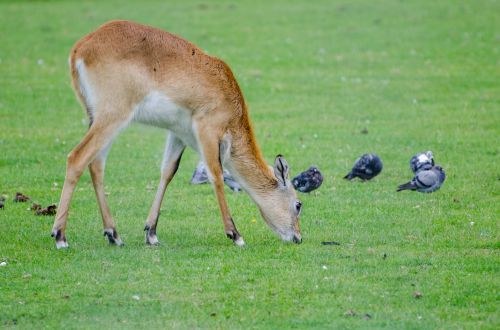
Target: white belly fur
[[159, 110]]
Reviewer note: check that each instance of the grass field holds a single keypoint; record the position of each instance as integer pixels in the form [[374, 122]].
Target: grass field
[[417, 75]]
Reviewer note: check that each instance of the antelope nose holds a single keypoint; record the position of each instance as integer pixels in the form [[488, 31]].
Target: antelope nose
[[297, 239]]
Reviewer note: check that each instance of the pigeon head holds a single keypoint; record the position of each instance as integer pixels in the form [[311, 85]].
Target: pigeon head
[[426, 158], [422, 162], [313, 169], [429, 155]]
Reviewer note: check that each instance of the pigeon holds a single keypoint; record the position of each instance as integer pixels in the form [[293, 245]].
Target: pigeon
[[426, 180], [200, 176], [366, 167], [422, 161], [230, 182], [308, 181]]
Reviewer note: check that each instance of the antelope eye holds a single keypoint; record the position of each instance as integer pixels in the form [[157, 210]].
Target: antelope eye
[[298, 206]]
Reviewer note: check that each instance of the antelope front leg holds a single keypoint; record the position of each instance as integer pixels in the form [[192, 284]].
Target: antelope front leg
[[171, 159], [211, 153]]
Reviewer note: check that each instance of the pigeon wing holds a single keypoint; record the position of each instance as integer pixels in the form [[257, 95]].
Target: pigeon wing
[[426, 179], [200, 174]]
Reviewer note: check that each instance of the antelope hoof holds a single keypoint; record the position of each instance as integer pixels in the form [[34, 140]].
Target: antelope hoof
[[62, 245], [239, 241], [113, 237], [61, 242], [151, 238], [236, 238]]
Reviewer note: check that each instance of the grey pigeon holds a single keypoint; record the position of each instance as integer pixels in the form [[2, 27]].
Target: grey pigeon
[[422, 161], [200, 176], [308, 181], [426, 180], [230, 182], [366, 167]]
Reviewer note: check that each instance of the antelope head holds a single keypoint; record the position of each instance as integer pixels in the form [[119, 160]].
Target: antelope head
[[281, 208]]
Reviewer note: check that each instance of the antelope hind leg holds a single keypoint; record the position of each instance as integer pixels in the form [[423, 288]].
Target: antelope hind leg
[[96, 168], [95, 140], [171, 159]]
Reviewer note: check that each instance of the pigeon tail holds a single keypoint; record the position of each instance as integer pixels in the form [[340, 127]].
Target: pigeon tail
[[407, 186]]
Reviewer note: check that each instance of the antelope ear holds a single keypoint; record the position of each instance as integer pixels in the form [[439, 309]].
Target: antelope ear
[[281, 170]]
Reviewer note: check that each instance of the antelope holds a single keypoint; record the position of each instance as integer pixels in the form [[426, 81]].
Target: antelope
[[127, 72]]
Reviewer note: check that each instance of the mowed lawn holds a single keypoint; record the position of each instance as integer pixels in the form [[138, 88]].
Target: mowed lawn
[[416, 75]]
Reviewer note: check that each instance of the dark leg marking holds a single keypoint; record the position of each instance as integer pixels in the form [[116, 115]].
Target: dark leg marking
[[151, 238], [234, 235], [60, 239], [112, 237]]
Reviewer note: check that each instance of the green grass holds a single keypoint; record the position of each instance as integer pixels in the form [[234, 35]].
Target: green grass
[[417, 74]]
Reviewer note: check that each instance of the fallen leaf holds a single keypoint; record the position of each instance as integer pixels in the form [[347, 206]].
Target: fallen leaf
[[417, 294], [49, 210], [350, 313], [20, 198]]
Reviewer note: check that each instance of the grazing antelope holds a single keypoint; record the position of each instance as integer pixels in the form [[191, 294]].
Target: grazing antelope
[[125, 72]]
